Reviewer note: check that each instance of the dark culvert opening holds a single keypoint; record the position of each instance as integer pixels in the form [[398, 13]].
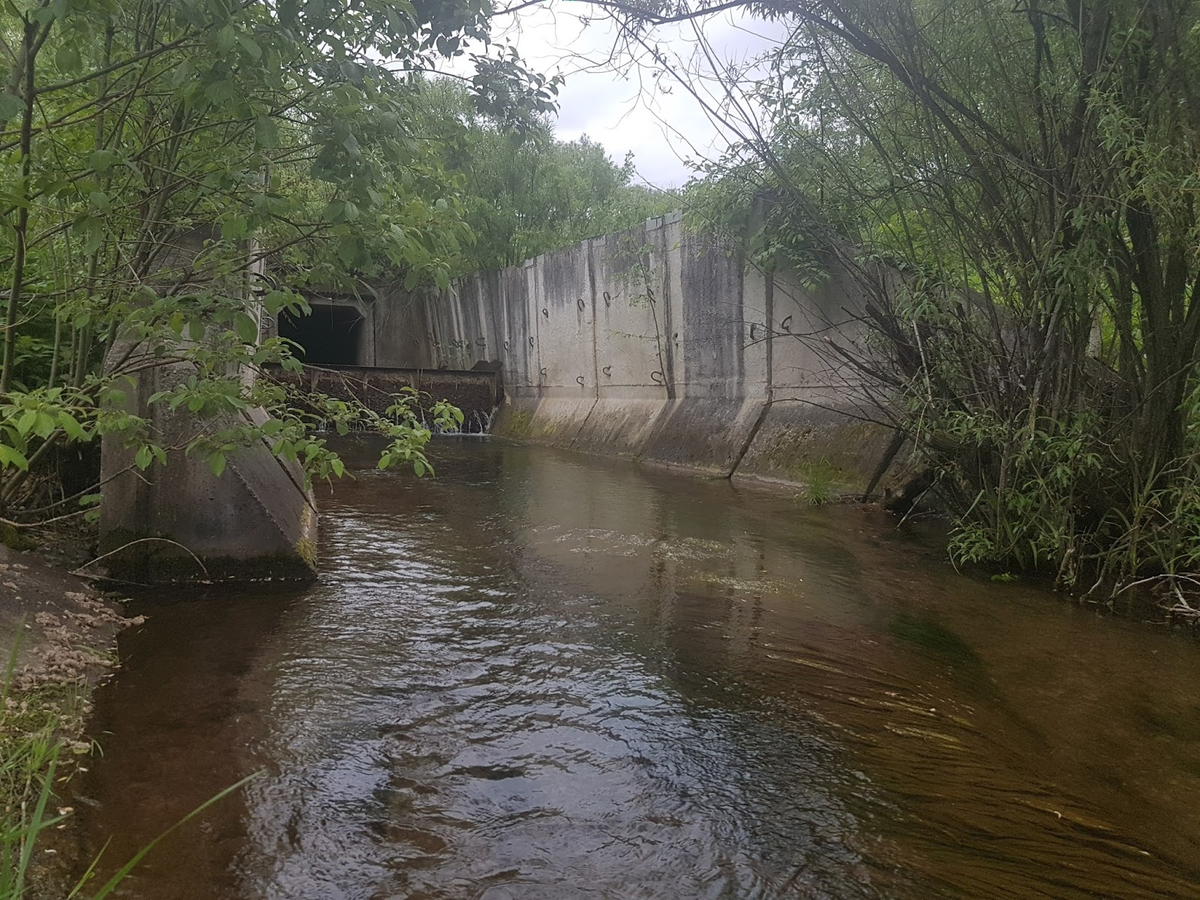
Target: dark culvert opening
[[329, 336]]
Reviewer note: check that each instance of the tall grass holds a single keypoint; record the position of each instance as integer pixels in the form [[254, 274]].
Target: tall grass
[[32, 744], [29, 753], [821, 480]]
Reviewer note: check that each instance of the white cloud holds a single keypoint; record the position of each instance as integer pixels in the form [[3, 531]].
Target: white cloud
[[634, 108]]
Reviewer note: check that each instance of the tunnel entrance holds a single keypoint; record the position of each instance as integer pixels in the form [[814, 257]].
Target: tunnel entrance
[[332, 335]]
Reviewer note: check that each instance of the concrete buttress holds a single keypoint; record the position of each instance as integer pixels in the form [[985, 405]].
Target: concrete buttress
[[179, 522]]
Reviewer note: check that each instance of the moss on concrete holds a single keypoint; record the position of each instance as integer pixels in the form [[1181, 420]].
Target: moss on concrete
[[306, 547], [550, 429], [145, 559], [513, 422], [518, 423], [794, 455], [828, 456], [829, 460]]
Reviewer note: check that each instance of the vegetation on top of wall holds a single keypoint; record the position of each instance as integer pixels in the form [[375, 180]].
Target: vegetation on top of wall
[[525, 192]]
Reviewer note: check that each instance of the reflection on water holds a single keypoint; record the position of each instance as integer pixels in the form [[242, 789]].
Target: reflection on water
[[543, 676]]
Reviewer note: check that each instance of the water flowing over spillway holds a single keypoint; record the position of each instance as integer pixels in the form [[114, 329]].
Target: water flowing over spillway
[[544, 676]]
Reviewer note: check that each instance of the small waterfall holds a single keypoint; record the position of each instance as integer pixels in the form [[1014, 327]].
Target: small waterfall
[[476, 424]]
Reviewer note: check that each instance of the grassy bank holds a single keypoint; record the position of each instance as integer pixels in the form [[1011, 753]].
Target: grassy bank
[[40, 749], [38, 746], [57, 639]]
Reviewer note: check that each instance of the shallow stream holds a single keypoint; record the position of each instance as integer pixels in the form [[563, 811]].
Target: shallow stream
[[548, 676]]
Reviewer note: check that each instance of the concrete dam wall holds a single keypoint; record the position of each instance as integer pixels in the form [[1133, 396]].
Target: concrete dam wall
[[659, 345]]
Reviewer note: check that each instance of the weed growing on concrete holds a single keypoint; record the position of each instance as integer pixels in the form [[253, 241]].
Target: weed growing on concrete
[[820, 482], [817, 490]]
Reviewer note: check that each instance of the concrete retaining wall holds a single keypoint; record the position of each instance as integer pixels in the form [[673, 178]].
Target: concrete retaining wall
[[659, 345]]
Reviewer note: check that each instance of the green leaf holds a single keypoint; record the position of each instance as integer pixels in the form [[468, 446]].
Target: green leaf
[[99, 201], [26, 423], [44, 424], [266, 132], [10, 106], [11, 456], [102, 160], [71, 427], [91, 229], [276, 300], [246, 327], [219, 92], [289, 12], [144, 457], [67, 58], [351, 251], [247, 43], [234, 227], [216, 462], [335, 211], [227, 37]]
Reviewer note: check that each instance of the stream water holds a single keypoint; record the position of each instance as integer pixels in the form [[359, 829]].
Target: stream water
[[548, 676]]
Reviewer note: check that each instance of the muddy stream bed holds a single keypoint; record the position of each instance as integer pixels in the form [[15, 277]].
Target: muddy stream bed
[[548, 676]]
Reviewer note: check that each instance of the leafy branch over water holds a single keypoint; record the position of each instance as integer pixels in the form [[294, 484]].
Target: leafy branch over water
[[159, 158]]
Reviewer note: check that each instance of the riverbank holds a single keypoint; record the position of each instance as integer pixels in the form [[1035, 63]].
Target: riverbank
[[59, 635]]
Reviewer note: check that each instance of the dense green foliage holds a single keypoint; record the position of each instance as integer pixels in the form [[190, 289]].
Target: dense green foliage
[[1012, 187], [523, 191], [161, 162]]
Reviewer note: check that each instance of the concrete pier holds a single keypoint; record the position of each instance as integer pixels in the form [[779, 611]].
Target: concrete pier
[[181, 523]]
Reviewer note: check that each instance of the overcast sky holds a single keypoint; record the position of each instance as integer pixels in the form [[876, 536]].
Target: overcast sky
[[661, 123]]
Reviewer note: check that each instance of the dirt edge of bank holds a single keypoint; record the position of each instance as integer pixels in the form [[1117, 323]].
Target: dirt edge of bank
[[64, 636]]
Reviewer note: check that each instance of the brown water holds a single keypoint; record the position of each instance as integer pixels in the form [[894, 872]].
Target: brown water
[[546, 676]]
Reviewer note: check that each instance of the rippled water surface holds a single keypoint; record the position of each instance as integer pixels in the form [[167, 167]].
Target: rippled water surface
[[547, 676]]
